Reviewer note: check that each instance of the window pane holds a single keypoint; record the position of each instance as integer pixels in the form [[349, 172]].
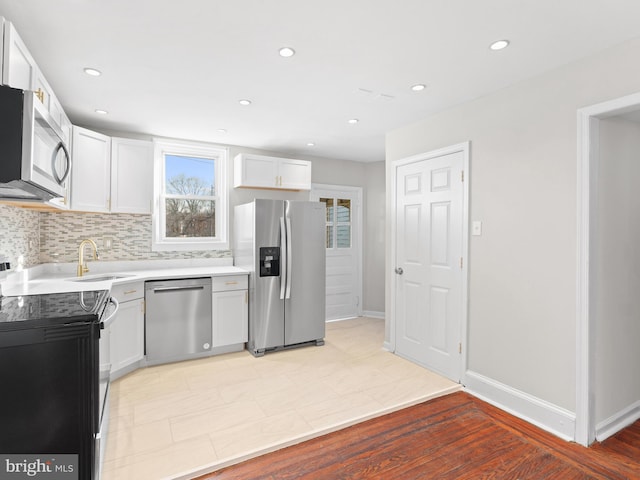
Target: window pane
[[329, 237], [190, 218], [329, 203], [190, 175], [344, 236], [343, 210]]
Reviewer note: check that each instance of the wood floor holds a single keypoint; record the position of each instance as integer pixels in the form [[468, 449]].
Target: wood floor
[[451, 437]]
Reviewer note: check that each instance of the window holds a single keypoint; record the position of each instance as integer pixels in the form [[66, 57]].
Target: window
[[338, 222], [190, 197]]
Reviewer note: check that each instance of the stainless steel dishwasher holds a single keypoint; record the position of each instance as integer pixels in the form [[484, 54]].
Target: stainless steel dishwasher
[[178, 319]]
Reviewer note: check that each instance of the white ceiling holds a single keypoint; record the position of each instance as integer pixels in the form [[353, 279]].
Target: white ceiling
[[178, 68]]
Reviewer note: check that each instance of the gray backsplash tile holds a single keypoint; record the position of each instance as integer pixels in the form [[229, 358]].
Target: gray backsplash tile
[[43, 237], [19, 235], [61, 233]]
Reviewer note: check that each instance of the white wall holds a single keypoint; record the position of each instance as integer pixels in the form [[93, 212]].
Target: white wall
[[374, 233], [617, 269], [522, 270]]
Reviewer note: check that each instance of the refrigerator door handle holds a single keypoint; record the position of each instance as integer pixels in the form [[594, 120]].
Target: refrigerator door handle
[[289, 255], [283, 263]]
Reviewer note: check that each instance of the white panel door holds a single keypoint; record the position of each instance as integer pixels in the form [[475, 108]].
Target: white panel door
[[344, 247], [429, 245]]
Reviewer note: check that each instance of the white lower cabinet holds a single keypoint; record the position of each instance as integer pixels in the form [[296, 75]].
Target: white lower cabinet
[[230, 310], [230, 321], [127, 330]]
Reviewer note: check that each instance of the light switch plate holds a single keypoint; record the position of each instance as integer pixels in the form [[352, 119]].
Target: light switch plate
[[476, 228]]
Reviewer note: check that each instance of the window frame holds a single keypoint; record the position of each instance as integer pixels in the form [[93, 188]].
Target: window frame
[[220, 155], [334, 223]]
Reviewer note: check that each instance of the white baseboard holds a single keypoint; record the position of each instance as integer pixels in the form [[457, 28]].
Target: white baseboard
[[387, 346], [549, 417], [373, 314], [618, 421]]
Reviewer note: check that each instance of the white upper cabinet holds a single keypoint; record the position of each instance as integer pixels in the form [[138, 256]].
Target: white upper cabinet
[[294, 174], [90, 171], [261, 171], [110, 174], [19, 69], [131, 175]]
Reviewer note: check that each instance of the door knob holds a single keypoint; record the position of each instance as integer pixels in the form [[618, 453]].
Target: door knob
[[399, 270]]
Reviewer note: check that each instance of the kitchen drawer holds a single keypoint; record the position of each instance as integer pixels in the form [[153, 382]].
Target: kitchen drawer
[[127, 291], [230, 282]]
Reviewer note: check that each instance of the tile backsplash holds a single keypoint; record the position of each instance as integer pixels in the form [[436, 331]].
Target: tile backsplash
[[44, 237], [130, 236], [19, 235]]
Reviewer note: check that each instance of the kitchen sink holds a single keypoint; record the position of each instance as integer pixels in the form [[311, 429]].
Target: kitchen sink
[[99, 278]]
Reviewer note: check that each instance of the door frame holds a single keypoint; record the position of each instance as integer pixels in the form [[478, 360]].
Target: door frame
[[587, 203], [464, 148], [357, 222]]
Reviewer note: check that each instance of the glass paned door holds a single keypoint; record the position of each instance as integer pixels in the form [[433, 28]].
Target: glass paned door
[[343, 225]]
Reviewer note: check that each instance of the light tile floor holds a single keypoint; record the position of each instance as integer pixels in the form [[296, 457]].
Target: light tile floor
[[179, 420]]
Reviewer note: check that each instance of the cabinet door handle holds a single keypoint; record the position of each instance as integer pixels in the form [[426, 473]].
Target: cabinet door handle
[[39, 95], [129, 292], [231, 283]]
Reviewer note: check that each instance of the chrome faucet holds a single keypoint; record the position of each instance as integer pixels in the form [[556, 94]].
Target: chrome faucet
[[82, 264]]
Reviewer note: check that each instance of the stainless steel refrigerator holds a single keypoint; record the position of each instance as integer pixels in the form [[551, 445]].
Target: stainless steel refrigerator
[[282, 244]]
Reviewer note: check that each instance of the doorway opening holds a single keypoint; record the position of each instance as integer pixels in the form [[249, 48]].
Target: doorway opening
[[608, 269]]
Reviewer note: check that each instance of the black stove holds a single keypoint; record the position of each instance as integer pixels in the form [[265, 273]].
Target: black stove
[[52, 309], [50, 363]]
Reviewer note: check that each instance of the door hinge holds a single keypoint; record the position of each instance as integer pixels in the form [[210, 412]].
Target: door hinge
[[460, 347], [461, 263], [462, 175]]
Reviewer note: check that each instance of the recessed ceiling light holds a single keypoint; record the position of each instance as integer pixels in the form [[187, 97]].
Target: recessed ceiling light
[[311, 144], [92, 71], [244, 102], [287, 52], [222, 130], [101, 112], [353, 121], [499, 45], [418, 87]]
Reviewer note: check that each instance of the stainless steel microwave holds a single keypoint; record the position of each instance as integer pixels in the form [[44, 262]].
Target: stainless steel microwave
[[35, 164]]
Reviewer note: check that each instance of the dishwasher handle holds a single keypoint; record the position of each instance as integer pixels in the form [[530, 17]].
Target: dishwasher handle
[[175, 289]]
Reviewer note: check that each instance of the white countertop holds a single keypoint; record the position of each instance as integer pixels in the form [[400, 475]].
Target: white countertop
[[58, 278]]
